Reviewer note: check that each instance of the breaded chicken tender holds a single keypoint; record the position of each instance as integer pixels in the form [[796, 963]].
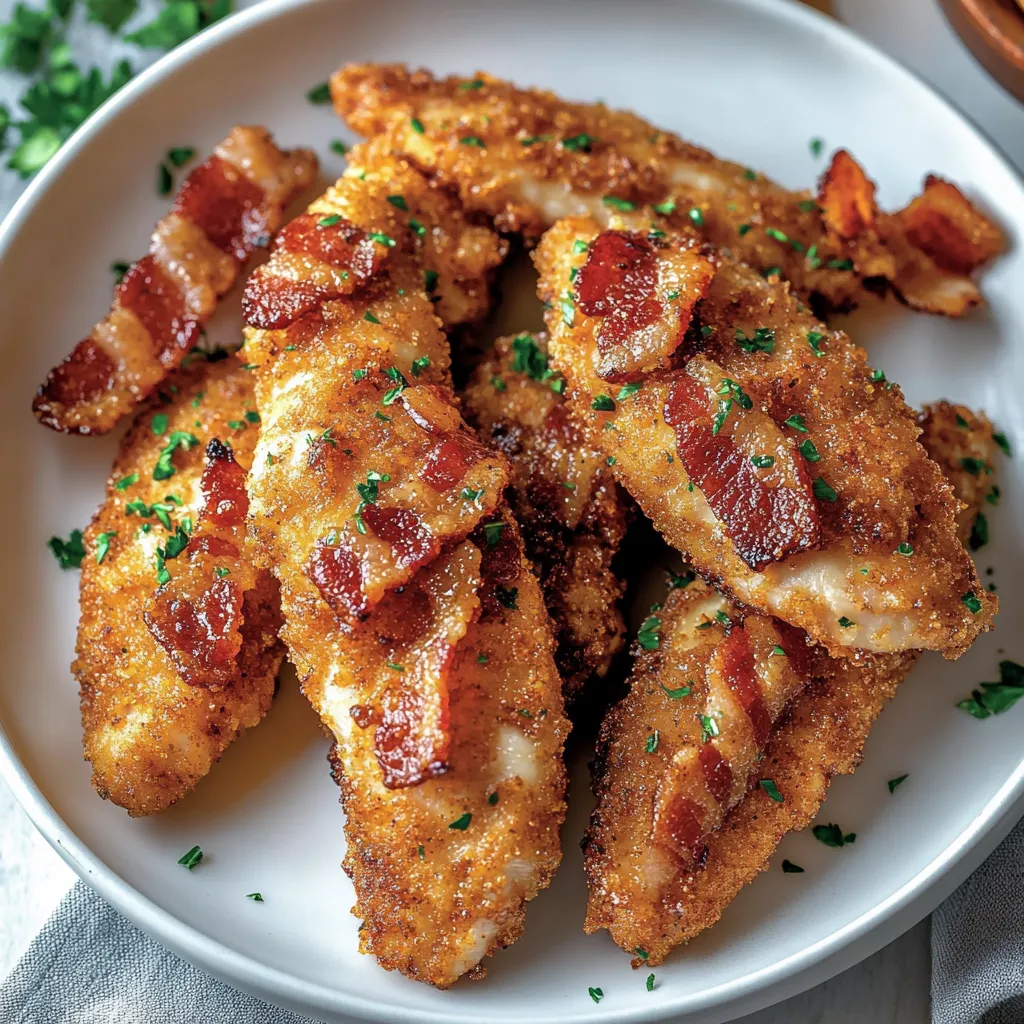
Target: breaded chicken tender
[[527, 158], [572, 513], [177, 643], [227, 208], [759, 442], [417, 630]]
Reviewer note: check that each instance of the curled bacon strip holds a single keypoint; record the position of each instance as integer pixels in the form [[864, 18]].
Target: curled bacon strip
[[196, 617], [631, 284], [226, 209], [745, 467], [751, 676], [316, 258]]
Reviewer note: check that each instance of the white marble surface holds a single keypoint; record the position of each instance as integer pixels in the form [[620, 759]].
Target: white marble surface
[[890, 987]]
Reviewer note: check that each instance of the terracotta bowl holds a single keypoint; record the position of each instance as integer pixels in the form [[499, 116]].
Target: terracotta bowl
[[994, 32]]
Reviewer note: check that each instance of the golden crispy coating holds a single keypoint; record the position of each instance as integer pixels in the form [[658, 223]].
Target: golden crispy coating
[[527, 158], [443, 871], [646, 885], [572, 514], [227, 208], [812, 499], [161, 704], [963, 444], [427, 654]]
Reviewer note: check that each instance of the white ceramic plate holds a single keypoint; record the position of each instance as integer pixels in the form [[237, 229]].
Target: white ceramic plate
[[753, 80]]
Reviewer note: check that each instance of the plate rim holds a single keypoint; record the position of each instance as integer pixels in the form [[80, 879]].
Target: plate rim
[[861, 937]]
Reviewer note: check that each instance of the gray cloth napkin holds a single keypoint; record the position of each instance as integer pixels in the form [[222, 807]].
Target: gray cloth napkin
[[89, 965], [978, 943]]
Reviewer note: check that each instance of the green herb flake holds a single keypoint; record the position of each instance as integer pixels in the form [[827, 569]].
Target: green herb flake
[[69, 553], [971, 602], [743, 229], [492, 532], [814, 339], [648, 637], [370, 318], [796, 421], [192, 858], [416, 125], [220, 572], [469, 494], [1004, 443], [762, 340], [164, 181], [482, 659], [768, 785], [616, 203], [650, 982], [652, 742], [319, 94], [394, 666], [603, 403], [103, 545], [421, 852], [696, 215], [676, 694], [492, 799], [778, 652], [532, 140], [473, 140], [708, 727], [840, 264], [833, 835], [995, 698], [904, 549], [628, 390], [382, 239], [807, 206], [808, 451], [581, 143], [529, 359], [762, 461], [665, 208], [823, 491], [816, 146], [400, 384], [779, 236], [508, 596], [461, 823], [845, 623], [339, 147], [498, 384], [476, 83], [893, 783], [329, 221], [180, 155], [164, 468], [974, 466], [979, 532], [789, 868], [126, 481], [596, 994]]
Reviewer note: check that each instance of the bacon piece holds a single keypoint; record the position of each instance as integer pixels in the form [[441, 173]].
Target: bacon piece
[[225, 210], [945, 225], [196, 616], [769, 511], [315, 259], [625, 282]]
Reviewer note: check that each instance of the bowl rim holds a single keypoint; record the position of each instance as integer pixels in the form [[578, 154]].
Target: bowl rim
[[856, 940]]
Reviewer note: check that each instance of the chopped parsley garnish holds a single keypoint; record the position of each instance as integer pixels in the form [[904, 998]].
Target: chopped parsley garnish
[[236, 424], [126, 481], [680, 582], [164, 180], [469, 494], [579, 143], [789, 868], [962, 423], [840, 264], [430, 280], [498, 384], [508, 596], [339, 147], [652, 742], [568, 307], [220, 572], [180, 155], [768, 785], [382, 239], [995, 698], [832, 835], [329, 221], [1004, 442], [905, 549], [603, 403], [395, 667], [749, 175], [461, 823], [814, 339], [473, 140], [708, 728], [400, 384], [648, 637], [971, 603], [618, 204], [762, 340], [808, 451], [627, 390], [319, 94], [730, 392], [476, 83], [421, 852], [610, 461], [807, 205], [527, 358], [417, 226], [532, 140], [823, 491], [979, 533], [192, 858], [579, 246], [650, 982], [778, 652], [69, 553], [370, 318], [845, 623], [796, 421], [416, 125], [252, 416], [596, 994], [492, 799], [667, 207], [993, 496], [696, 215], [119, 269], [164, 468], [492, 532], [368, 493], [743, 229], [974, 466], [256, 897], [160, 421], [816, 146], [103, 544], [482, 659], [676, 694], [779, 236], [399, 202], [893, 783], [763, 461]]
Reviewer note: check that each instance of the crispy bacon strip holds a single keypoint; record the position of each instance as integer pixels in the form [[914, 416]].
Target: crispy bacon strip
[[534, 158], [572, 513], [227, 208], [411, 615], [161, 704], [870, 558]]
